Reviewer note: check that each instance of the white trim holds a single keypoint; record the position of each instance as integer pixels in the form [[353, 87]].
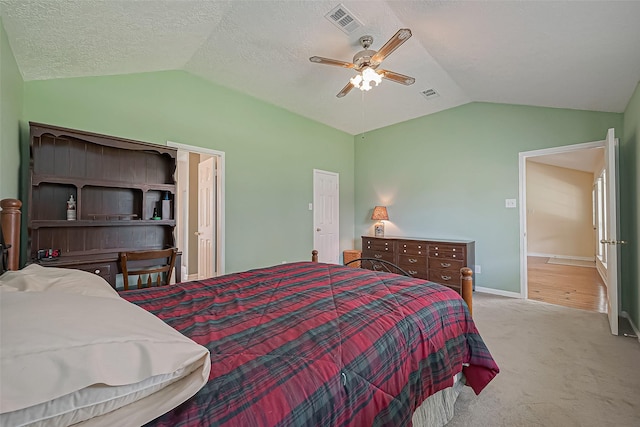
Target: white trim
[[522, 191], [633, 326], [500, 292], [220, 206], [577, 258]]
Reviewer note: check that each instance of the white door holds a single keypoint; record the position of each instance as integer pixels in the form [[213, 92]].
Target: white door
[[325, 216], [612, 221], [206, 223]]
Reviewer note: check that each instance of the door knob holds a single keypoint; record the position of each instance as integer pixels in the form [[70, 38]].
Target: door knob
[[318, 229], [197, 233]]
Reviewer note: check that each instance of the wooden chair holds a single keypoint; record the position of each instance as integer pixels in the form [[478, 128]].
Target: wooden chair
[[158, 273]]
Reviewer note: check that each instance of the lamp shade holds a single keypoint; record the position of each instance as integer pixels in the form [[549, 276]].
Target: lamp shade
[[380, 213]]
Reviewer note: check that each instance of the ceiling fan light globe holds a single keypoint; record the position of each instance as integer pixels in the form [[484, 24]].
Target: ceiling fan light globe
[[356, 80]]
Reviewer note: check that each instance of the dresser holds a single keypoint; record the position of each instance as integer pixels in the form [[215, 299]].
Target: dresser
[[436, 260]]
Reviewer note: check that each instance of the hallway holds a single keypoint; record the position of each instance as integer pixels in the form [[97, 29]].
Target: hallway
[[566, 285]]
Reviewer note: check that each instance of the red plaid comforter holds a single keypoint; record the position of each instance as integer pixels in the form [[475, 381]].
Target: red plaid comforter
[[308, 344]]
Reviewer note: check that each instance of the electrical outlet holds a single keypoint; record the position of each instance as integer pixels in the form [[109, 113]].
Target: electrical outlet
[[509, 203], [478, 269]]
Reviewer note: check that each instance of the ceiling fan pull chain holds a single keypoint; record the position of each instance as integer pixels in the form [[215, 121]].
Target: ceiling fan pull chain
[[363, 106]]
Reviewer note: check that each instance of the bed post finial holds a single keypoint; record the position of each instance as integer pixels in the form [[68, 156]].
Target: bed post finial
[[466, 284], [314, 256], [10, 223]]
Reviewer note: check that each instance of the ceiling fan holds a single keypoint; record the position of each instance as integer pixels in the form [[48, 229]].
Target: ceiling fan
[[367, 61]]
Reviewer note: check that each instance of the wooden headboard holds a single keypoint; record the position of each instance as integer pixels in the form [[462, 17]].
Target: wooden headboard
[[10, 230]]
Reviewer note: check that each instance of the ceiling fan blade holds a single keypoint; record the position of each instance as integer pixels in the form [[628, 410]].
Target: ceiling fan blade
[[394, 42], [345, 90], [327, 61], [396, 77]]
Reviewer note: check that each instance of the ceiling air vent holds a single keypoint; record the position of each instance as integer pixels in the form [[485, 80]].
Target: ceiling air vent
[[343, 19], [430, 93]]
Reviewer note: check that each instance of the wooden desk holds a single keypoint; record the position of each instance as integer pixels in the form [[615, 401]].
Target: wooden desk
[[106, 266]]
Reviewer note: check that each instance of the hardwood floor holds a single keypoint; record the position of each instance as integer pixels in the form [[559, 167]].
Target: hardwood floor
[[569, 286]]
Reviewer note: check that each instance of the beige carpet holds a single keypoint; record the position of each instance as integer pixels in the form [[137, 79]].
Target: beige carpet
[[559, 367], [573, 262]]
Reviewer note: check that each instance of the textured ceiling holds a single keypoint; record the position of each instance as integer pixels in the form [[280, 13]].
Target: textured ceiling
[[567, 54]]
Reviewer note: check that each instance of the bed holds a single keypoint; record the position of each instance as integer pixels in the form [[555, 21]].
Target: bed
[[307, 344]]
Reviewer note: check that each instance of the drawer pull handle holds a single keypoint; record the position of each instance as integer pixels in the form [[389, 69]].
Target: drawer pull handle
[[97, 271], [377, 256], [413, 272], [446, 277], [436, 253], [445, 264], [413, 260], [454, 256]]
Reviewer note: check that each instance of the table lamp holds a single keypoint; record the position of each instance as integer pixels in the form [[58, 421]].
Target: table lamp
[[380, 214]]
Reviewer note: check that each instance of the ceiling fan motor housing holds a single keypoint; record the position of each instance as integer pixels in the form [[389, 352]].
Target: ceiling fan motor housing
[[363, 59]]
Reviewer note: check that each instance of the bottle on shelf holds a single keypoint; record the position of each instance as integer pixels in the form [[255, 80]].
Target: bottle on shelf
[[71, 209], [166, 206]]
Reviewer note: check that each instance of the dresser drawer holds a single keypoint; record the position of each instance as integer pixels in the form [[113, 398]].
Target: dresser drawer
[[102, 270], [441, 263], [377, 245], [385, 255], [412, 247], [447, 251], [450, 278], [412, 261], [417, 272]]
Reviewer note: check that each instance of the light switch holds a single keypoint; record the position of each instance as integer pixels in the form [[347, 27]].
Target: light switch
[[310, 206], [509, 203]]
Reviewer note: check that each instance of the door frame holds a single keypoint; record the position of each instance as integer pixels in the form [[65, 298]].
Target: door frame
[[522, 191], [337, 208], [220, 196]]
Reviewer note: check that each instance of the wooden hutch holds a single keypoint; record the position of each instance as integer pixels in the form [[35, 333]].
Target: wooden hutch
[[116, 184]]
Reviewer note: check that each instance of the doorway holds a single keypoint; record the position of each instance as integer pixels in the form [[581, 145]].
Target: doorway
[[559, 238], [200, 211], [326, 211]]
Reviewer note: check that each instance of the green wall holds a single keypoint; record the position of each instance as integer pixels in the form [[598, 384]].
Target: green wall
[[270, 153], [11, 86], [447, 175], [630, 207]]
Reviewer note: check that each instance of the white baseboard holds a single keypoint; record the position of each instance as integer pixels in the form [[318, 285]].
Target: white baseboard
[[633, 326], [498, 292], [577, 258]]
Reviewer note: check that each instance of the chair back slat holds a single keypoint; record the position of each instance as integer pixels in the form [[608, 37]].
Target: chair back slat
[[158, 274]]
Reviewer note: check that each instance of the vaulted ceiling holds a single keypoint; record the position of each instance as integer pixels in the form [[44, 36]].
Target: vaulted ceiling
[[565, 54]]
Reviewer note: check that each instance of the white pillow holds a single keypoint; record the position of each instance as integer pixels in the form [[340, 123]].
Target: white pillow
[[56, 343], [35, 278]]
